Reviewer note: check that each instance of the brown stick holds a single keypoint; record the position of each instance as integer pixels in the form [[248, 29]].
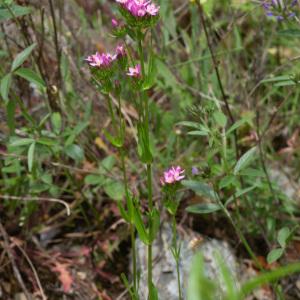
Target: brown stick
[[13, 262]]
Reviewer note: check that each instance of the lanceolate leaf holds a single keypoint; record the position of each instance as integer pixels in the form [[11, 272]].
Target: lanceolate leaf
[[21, 142], [5, 86], [200, 188], [140, 227], [274, 255], [244, 160], [21, 57], [31, 76], [17, 10], [30, 156], [203, 208]]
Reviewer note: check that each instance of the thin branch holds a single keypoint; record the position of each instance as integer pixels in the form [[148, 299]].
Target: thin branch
[[29, 198], [57, 48], [34, 271], [215, 64], [13, 262]]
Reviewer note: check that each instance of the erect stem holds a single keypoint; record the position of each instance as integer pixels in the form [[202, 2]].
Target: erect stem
[[112, 114], [132, 228], [176, 254], [145, 103], [150, 203]]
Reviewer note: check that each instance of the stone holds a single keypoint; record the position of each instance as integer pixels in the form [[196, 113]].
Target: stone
[[164, 266]]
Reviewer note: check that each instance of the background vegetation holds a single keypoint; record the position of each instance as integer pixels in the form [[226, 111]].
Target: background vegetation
[[224, 106]]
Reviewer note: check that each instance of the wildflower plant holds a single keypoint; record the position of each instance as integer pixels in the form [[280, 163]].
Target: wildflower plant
[[171, 183], [108, 70]]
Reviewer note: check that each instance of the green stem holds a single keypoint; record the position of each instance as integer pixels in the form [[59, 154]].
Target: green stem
[[145, 104], [132, 228], [149, 185], [176, 255], [134, 269], [111, 111]]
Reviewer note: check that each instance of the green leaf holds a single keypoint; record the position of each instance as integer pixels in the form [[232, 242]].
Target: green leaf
[[17, 10], [123, 212], [10, 112], [140, 227], [198, 132], [5, 86], [237, 125], [277, 78], [108, 163], [47, 141], [200, 287], [75, 152], [274, 255], [31, 76], [115, 190], [199, 188], [292, 32], [153, 295], [151, 75], [56, 122], [94, 179], [220, 118], [189, 124], [226, 181], [22, 142], [30, 156], [240, 193], [283, 235], [250, 172], [203, 208], [244, 160], [21, 57], [47, 178], [285, 83], [115, 141], [268, 277], [144, 149]]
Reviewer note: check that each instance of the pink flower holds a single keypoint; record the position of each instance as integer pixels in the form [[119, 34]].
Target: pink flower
[[114, 23], [120, 51], [135, 72], [100, 60], [173, 175], [140, 8], [152, 9]]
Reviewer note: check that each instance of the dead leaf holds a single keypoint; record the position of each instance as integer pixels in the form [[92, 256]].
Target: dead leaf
[[64, 276]]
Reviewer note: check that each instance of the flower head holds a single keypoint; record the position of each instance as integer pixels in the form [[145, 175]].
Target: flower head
[[140, 8], [280, 9], [195, 171], [173, 175], [100, 60], [135, 71]]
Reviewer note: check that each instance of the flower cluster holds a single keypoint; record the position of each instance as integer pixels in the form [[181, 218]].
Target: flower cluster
[[105, 60], [100, 60], [140, 8], [173, 175], [281, 9]]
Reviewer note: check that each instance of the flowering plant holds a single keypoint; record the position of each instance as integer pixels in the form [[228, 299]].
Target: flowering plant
[[139, 13], [280, 9]]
